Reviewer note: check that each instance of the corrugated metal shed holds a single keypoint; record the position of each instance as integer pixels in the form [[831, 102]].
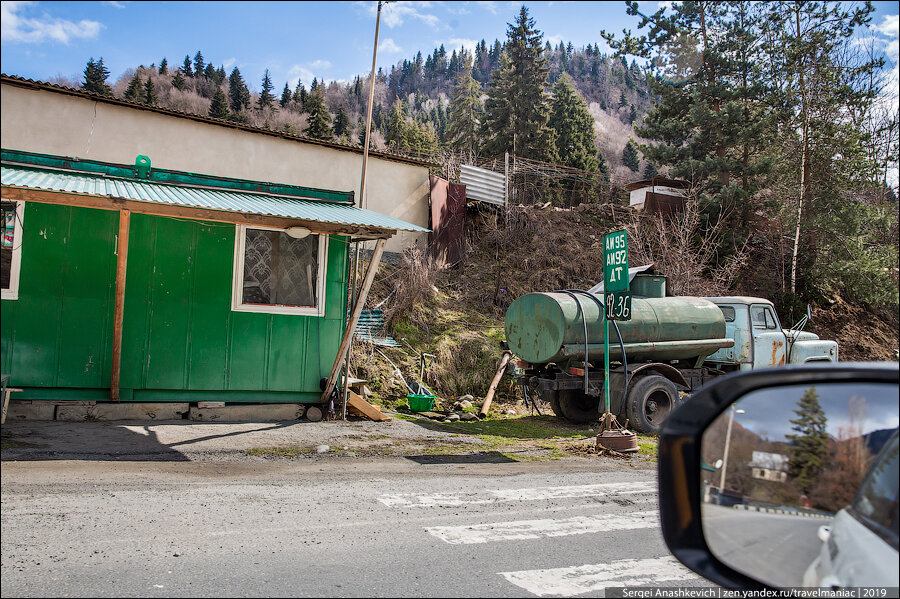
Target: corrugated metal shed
[[483, 185], [200, 197]]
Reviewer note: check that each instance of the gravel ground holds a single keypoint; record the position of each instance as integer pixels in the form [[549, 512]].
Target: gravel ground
[[255, 442]]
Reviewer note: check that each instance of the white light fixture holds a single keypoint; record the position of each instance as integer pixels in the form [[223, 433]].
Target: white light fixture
[[297, 232]]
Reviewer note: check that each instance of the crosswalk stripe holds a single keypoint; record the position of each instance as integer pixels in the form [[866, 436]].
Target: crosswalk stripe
[[535, 529], [503, 495], [595, 577]]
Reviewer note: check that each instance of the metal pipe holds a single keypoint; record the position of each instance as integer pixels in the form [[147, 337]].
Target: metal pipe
[[362, 195], [602, 307]]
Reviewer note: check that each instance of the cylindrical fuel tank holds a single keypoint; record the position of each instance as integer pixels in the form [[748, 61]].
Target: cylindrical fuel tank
[[548, 327]]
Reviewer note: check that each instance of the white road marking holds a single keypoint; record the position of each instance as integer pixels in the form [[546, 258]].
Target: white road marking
[[500, 495], [536, 529], [594, 577]]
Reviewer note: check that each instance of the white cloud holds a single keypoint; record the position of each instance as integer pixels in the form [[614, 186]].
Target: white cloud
[[307, 71], [389, 47], [229, 63], [115, 4], [18, 28], [458, 43], [397, 13], [491, 7], [554, 40], [301, 73], [890, 26]]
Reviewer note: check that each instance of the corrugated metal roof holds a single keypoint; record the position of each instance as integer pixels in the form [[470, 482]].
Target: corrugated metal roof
[[201, 197]]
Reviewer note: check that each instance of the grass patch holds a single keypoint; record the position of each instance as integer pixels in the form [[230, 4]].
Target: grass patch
[[522, 427], [8, 445], [280, 452]]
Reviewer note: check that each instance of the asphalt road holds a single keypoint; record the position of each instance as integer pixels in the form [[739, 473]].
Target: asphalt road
[[453, 526], [775, 548]]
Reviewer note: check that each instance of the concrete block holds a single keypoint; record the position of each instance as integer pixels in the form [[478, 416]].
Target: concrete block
[[29, 410], [122, 411], [260, 413]]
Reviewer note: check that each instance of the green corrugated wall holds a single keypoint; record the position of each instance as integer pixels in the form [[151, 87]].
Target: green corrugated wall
[[181, 340]]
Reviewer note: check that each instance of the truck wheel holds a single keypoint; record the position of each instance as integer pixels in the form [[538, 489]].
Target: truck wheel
[[552, 397], [579, 407], [650, 401]]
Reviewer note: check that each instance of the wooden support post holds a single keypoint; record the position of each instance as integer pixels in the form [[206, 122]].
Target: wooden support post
[[493, 388], [119, 310], [344, 349]]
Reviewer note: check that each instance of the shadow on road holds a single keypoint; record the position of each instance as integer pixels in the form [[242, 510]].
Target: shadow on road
[[118, 441], [486, 457]]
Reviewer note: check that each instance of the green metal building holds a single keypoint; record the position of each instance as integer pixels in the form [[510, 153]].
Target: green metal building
[[124, 282]]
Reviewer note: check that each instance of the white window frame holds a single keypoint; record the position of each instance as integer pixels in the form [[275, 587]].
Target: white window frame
[[237, 287], [13, 292]]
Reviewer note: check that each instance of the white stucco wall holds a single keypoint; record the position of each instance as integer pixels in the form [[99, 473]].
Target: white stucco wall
[[48, 122]]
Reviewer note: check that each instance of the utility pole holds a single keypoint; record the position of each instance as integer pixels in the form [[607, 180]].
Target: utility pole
[[727, 443], [362, 196]]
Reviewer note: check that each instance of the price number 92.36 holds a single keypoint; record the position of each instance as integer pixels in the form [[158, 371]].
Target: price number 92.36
[[618, 306]]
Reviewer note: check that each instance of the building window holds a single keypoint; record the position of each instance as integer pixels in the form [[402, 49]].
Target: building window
[[11, 253], [276, 273]]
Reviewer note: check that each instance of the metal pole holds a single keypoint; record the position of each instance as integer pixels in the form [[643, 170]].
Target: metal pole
[[362, 195], [725, 457], [606, 359]]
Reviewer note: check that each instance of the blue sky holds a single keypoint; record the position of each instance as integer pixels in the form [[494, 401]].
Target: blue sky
[[330, 40]]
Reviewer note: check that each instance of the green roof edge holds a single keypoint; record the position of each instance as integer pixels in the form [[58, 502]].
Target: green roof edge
[[23, 158]]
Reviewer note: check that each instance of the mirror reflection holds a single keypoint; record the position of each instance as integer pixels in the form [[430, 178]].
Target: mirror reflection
[[800, 485]]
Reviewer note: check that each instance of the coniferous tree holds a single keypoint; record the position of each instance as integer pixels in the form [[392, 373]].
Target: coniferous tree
[[516, 110], [95, 75], [163, 66], [300, 96], [285, 96], [265, 95], [150, 92], [464, 120], [702, 54], [649, 171], [574, 127], [238, 94], [630, 156], [218, 108], [361, 131], [809, 450], [135, 90], [199, 65], [319, 121], [178, 81], [186, 67], [210, 72], [341, 122], [220, 75]]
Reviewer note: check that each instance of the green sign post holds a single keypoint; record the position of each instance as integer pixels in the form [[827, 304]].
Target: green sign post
[[616, 294]]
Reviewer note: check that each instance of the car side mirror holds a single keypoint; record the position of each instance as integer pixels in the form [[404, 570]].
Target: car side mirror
[[806, 476]]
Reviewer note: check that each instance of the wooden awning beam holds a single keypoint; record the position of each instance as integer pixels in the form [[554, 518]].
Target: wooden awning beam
[[177, 211]]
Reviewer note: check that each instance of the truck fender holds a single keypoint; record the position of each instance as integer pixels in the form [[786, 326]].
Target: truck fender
[[666, 370]]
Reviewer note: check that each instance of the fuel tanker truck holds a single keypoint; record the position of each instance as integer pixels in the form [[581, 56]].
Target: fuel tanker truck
[[670, 345]]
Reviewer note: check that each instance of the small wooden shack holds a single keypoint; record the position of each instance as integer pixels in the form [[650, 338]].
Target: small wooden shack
[[658, 195], [125, 282]]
